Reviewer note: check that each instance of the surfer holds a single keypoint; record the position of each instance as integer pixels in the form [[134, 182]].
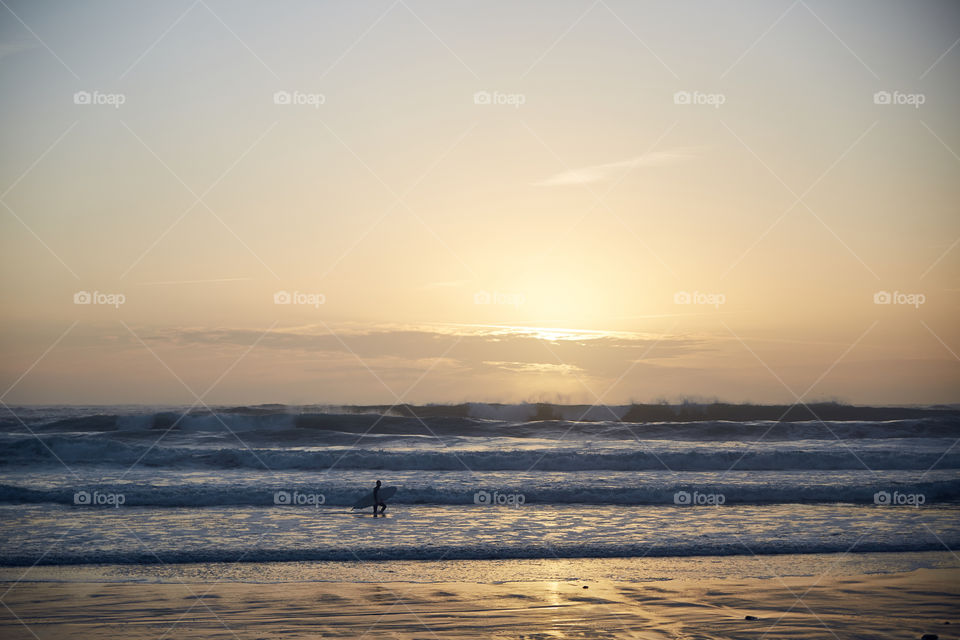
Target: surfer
[[378, 501]]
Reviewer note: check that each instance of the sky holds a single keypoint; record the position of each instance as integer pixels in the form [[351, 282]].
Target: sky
[[212, 202]]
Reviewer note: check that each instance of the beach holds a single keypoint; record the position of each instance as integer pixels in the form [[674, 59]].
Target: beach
[[875, 596], [238, 524]]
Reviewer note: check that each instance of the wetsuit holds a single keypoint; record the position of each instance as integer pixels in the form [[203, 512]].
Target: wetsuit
[[377, 502]]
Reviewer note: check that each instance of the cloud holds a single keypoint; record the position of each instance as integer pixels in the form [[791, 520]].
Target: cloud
[[14, 46], [601, 172], [475, 348], [535, 367]]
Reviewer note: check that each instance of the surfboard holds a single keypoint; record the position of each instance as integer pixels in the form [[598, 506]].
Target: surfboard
[[367, 500]]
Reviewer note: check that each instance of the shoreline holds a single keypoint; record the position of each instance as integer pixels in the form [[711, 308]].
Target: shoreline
[[495, 571], [236, 557]]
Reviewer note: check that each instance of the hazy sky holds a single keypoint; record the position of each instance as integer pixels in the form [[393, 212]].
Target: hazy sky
[[495, 201]]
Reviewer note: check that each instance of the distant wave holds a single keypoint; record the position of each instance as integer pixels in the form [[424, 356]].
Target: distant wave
[[75, 450], [521, 412], [290, 426]]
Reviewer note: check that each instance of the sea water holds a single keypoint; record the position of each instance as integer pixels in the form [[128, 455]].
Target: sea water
[[136, 485]]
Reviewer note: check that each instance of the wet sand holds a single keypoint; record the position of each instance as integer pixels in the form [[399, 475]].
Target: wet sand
[[900, 605]]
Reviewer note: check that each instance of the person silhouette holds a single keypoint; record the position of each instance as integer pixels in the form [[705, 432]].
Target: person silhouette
[[378, 501]]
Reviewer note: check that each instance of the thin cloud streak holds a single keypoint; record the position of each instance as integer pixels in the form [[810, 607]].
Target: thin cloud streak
[[14, 46], [603, 172]]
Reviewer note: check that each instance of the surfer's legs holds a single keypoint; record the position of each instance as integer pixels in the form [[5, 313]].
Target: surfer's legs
[[383, 507]]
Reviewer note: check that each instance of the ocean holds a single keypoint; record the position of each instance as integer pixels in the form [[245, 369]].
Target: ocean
[[133, 485]]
